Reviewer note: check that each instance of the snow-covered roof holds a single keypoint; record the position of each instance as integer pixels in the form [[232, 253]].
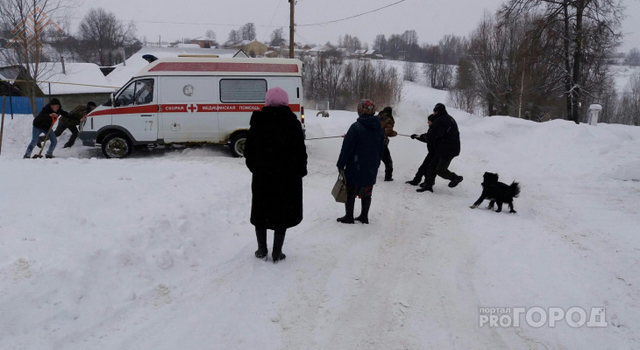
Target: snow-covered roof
[[135, 63], [79, 78], [187, 46], [320, 49]]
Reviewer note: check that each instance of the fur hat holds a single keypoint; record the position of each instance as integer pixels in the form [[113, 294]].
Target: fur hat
[[54, 101], [366, 107], [440, 108], [276, 97]]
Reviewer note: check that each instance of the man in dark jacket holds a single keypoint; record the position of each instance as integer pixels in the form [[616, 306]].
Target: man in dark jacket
[[276, 155], [445, 137], [71, 122], [362, 150], [43, 123]]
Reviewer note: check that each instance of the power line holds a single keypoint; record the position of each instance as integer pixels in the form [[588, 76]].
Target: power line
[[350, 17], [271, 21]]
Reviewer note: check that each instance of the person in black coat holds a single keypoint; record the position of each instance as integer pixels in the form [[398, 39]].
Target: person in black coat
[[362, 150], [42, 124], [276, 155], [445, 137]]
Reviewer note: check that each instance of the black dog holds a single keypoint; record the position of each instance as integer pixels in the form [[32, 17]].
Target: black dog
[[497, 192]]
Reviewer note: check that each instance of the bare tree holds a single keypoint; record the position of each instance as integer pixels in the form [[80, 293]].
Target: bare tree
[[104, 37], [210, 34], [581, 22], [277, 37], [633, 58], [410, 71], [234, 37], [248, 31], [29, 22]]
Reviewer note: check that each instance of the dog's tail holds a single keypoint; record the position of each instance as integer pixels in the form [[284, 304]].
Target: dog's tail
[[515, 189]]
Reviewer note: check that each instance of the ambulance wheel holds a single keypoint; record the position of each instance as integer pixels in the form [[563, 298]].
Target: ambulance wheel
[[116, 146], [237, 144]]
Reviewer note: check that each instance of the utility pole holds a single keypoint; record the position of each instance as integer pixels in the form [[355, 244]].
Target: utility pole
[[291, 24]]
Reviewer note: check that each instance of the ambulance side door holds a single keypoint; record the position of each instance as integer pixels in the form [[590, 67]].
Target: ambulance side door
[[136, 110], [188, 110]]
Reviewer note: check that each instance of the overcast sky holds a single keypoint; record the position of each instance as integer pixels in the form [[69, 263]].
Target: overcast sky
[[431, 19]]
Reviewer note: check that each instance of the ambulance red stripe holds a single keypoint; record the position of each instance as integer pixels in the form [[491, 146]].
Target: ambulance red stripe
[[224, 67], [127, 110], [184, 108]]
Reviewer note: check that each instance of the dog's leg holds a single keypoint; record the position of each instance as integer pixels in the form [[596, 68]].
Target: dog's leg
[[499, 207], [477, 203], [491, 202], [511, 207]]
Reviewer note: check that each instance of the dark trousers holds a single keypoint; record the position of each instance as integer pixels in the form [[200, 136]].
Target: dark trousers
[[61, 128], [388, 163], [438, 167], [422, 170]]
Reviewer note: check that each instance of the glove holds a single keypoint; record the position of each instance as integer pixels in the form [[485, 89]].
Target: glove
[[415, 136]]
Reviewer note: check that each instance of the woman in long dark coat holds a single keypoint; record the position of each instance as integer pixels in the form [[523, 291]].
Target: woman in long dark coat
[[276, 155]]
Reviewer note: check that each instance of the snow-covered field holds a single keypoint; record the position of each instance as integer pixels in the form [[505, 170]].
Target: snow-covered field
[[156, 251]]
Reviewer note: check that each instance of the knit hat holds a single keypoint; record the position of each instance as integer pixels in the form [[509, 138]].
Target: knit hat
[[366, 107], [440, 108], [387, 109], [54, 101], [431, 118], [276, 97]]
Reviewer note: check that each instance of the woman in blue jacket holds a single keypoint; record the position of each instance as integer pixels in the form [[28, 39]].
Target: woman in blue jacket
[[362, 150]]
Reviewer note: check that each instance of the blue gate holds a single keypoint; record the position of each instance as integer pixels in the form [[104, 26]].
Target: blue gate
[[19, 105]]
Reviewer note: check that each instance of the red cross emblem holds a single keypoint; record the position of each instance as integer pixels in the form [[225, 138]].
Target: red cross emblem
[[191, 108]]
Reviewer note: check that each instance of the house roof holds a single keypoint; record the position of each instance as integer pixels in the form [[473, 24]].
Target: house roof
[[134, 64], [78, 78]]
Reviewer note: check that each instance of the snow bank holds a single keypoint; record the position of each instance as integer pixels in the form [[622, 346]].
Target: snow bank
[[156, 251]]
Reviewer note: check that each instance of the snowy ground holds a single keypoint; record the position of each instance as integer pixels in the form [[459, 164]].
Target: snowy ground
[[156, 251]]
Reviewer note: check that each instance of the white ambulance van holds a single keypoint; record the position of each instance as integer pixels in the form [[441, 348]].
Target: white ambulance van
[[190, 100]]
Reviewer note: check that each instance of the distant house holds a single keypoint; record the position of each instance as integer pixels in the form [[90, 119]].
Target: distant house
[[365, 53], [14, 77], [252, 48], [75, 83], [318, 50], [204, 43]]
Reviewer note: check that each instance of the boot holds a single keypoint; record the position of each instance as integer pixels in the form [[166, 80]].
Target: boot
[[364, 215], [49, 156], [348, 218], [455, 181], [414, 182], [425, 187], [278, 240], [388, 174], [261, 235]]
